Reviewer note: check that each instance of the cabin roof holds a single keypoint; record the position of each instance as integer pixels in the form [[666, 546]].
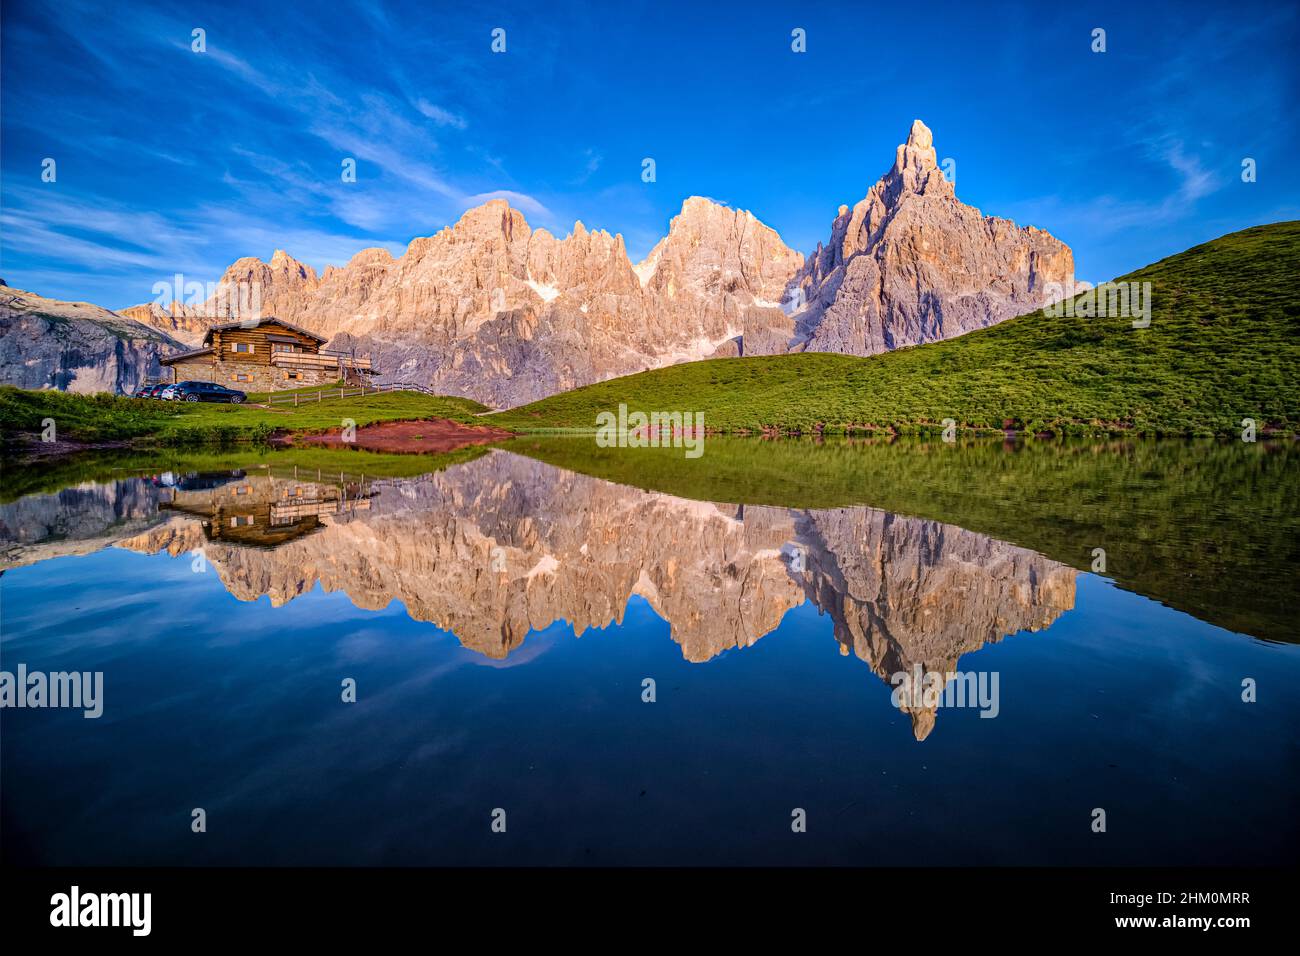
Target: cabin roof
[[181, 356], [269, 320]]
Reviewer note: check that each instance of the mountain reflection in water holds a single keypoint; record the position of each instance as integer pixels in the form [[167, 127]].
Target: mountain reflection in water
[[228, 598], [496, 548]]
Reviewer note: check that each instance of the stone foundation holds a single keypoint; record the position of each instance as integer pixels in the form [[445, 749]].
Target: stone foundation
[[248, 377]]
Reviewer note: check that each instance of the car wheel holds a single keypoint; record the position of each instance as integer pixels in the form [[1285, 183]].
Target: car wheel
[[191, 398], [236, 399]]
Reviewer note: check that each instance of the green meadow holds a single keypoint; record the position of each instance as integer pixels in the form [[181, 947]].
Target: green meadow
[[1223, 344], [108, 418]]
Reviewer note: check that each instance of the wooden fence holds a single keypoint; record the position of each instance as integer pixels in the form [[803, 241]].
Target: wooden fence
[[356, 391]]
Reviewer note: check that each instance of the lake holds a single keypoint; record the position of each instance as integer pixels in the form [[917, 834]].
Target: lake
[[783, 652]]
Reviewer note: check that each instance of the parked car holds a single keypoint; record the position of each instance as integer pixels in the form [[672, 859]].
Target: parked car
[[149, 391], [202, 392], [204, 480]]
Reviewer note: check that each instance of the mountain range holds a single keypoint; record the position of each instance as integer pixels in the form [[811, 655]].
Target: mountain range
[[497, 311]]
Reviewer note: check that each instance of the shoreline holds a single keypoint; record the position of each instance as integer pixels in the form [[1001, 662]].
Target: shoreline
[[407, 436], [439, 436], [412, 437]]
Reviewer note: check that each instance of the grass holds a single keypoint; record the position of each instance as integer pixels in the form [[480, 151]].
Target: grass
[[305, 390], [103, 466], [106, 418], [1223, 345], [1207, 526]]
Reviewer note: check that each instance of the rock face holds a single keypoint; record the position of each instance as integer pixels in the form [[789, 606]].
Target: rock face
[[182, 323], [75, 346], [910, 264], [494, 310], [499, 547], [289, 282]]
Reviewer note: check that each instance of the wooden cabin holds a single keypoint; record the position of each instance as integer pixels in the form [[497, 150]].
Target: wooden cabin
[[264, 356], [266, 510]]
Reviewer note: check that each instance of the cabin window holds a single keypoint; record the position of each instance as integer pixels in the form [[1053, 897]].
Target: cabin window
[[237, 521], [295, 376], [285, 347], [241, 377], [243, 347]]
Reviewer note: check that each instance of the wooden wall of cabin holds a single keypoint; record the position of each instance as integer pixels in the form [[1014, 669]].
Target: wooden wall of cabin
[[224, 339]]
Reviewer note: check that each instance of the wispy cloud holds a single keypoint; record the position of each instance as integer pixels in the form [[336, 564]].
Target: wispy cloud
[[98, 239], [591, 163], [439, 115], [1197, 181], [253, 111]]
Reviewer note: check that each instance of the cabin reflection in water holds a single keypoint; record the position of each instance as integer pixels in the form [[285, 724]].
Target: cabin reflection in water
[[270, 507]]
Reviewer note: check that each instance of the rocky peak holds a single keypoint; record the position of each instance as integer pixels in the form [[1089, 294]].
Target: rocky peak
[[493, 221], [916, 168], [251, 287], [374, 256], [715, 249], [281, 275], [584, 264], [283, 268], [910, 263]]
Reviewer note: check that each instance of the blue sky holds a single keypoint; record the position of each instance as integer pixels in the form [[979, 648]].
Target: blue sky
[[174, 161]]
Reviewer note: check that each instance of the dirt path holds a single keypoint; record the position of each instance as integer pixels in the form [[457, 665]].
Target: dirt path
[[419, 437]]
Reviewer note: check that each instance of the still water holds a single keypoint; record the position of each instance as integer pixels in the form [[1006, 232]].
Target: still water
[[506, 615]]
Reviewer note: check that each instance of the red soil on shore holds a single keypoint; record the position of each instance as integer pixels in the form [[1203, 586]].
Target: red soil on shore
[[419, 437]]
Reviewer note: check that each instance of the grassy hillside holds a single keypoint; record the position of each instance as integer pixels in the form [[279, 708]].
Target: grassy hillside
[[105, 418], [1223, 345]]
